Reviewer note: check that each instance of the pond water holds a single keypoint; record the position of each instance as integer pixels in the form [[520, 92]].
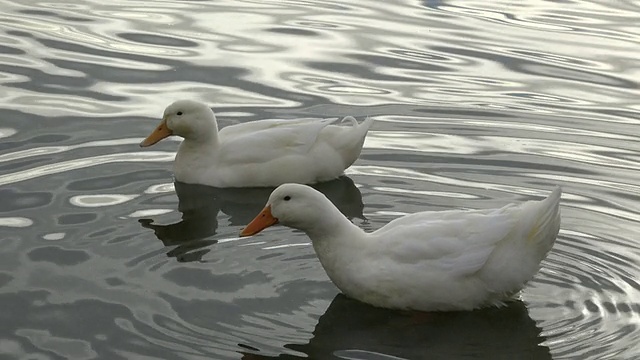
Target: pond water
[[476, 104]]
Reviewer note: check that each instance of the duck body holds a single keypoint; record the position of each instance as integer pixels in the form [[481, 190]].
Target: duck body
[[428, 261], [259, 153]]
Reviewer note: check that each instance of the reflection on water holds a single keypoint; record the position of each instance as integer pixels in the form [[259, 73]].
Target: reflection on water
[[477, 104], [200, 205], [352, 330]]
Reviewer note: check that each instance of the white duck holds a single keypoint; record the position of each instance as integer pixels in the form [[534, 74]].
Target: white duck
[[258, 153], [429, 261]]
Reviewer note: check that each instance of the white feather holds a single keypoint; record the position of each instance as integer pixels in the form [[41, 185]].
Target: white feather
[[261, 153], [448, 260]]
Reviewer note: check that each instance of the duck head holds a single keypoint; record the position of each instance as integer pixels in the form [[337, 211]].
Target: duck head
[[294, 205], [189, 119]]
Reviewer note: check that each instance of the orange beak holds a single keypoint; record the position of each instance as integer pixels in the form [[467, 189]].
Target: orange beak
[[161, 132], [260, 222]]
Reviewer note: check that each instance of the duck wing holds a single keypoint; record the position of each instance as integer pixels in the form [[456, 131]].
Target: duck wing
[[506, 243], [457, 243], [264, 140]]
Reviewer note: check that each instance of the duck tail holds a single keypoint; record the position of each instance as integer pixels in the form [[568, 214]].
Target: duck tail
[[348, 141], [350, 119], [366, 124], [360, 130], [547, 225]]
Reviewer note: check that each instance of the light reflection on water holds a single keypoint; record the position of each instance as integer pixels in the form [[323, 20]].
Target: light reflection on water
[[476, 103]]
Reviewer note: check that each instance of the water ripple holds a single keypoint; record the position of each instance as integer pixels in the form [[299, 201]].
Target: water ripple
[[65, 166], [476, 104]]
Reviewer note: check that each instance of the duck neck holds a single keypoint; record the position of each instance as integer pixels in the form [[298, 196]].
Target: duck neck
[[197, 150], [337, 243], [194, 150], [203, 139], [201, 129], [334, 233], [204, 136]]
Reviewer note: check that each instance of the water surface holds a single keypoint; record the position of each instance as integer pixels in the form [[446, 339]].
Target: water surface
[[477, 104]]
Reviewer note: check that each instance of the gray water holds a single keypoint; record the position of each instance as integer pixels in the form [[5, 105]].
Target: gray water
[[477, 104]]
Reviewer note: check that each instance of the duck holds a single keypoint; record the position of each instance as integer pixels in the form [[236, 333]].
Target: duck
[[451, 260], [263, 153]]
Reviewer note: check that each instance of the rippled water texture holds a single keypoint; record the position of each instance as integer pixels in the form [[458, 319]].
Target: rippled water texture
[[477, 103]]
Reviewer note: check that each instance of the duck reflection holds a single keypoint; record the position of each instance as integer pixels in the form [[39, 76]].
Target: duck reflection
[[201, 204], [350, 329]]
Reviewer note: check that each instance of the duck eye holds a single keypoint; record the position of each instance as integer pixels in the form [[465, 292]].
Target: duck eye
[[287, 198], [179, 113]]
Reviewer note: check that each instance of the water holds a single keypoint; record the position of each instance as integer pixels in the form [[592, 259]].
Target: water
[[477, 104]]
